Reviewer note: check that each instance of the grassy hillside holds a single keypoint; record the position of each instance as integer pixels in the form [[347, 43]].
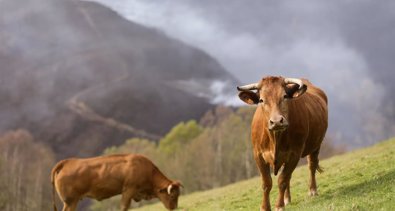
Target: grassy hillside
[[359, 180]]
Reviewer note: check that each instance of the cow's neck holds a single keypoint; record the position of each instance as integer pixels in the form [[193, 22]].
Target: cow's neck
[[272, 152], [160, 181]]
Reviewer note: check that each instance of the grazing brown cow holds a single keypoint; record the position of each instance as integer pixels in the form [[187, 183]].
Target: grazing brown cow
[[133, 176], [290, 122]]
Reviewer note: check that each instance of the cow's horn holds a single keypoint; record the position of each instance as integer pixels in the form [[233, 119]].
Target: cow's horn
[[294, 81], [248, 87], [169, 188]]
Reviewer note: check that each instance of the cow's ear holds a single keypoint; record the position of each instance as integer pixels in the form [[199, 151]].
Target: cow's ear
[[249, 97], [293, 90], [178, 184]]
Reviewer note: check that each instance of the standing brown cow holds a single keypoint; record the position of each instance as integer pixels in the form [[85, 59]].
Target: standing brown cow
[[133, 176], [289, 123]]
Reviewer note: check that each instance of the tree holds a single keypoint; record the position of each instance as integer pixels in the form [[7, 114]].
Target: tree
[[24, 172], [179, 136], [134, 145]]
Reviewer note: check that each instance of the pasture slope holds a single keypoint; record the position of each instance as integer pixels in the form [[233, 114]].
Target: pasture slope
[[359, 180]]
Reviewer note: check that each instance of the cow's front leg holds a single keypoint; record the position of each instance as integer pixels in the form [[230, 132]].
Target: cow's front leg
[[284, 193], [264, 169], [126, 200], [71, 205]]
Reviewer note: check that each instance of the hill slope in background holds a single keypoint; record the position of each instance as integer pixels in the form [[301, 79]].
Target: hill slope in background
[[360, 180], [80, 77]]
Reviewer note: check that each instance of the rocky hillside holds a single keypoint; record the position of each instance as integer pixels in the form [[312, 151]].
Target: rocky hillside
[[80, 77]]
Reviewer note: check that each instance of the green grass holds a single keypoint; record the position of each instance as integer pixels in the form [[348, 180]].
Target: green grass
[[360, 180]]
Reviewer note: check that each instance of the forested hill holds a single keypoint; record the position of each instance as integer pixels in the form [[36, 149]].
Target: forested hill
[[79, 77]]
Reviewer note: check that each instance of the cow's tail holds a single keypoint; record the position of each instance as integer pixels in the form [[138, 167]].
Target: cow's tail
[[53, 197], [320, 169], [54, 171]]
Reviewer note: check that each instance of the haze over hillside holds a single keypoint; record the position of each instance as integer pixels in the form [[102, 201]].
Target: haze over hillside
[[80, 77], [345, 47]]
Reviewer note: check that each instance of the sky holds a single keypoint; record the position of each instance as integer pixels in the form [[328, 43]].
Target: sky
[[345, 47]]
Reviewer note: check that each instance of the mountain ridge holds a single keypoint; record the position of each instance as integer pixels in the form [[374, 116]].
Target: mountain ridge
[[75, 68]]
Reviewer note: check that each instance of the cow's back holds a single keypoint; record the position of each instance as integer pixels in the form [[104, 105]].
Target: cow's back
[[100, 177]]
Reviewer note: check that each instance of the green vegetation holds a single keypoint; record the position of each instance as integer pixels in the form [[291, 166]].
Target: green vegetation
[[179, 136], [359, 180]]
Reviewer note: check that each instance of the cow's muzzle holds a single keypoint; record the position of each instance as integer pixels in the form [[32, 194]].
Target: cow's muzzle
[[278, 123]]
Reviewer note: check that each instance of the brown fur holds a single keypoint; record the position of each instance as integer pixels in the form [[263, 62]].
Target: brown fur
[[307, 117], [133, 176]]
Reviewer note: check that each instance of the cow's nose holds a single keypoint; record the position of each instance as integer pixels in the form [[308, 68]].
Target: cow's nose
[[277, 123]]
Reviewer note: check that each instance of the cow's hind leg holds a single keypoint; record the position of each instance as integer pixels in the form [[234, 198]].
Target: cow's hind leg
[[287, 195], [313, 166], [266, 181]]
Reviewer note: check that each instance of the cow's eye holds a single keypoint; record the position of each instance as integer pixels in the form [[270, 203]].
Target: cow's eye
[[261, 101]]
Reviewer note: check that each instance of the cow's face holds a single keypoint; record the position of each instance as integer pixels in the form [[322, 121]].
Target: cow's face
[[169, 195], [272, 94]]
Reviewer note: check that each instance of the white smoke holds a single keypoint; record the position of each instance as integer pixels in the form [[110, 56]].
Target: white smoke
[[297, 39], [221, 94], [215, 91]]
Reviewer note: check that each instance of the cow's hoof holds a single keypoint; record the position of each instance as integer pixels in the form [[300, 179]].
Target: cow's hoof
[[263, 209], [279, 208], [287, 201], [313, 193]]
